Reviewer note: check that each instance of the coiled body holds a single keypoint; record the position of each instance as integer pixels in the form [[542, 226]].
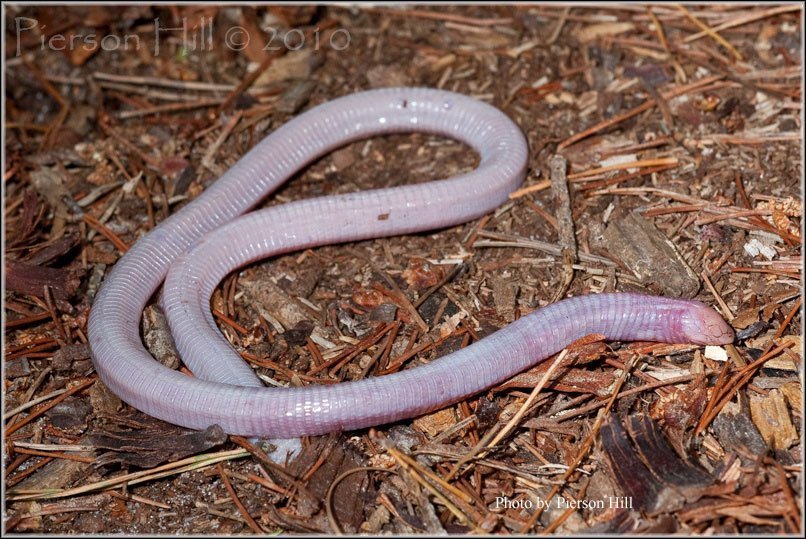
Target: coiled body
[[204, 241]]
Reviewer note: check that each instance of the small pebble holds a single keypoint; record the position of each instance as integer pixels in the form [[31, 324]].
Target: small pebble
[[755, 247], [717, 353]]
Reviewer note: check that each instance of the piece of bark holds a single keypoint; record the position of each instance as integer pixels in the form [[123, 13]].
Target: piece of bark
[[562, 199], [545, 424], [665, 464], [623, 522], [104, 401], [632, 476], [753, 330], [387, 76], [420, 274], [348, 498], [32, 280], [178, 173], [384, 312], [253, 49], [565, 223], [628, 523], [71, 415], [295, 64], [304, 280], [66, 157], [771, 416], [274, 303], [654, 260], [283, 520], [292, 15], [52, 251], [295, 97], [32, 208], [343, 158], [300, 333], [505, 292], [794, 396], [49, 182], [745, 318], [735, 431], [153, 443], [157, 337], [680, 409], [569, 381], [64, 357], [436, 422], [567, 376], [59, 473], [736, 508]]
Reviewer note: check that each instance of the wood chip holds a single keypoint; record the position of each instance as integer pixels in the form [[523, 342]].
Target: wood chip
[[632, 475], [771, 415], [651, 256], [734, 428], [594, 31], [433, 424], [293, 65], [655, 450], [320, 462], [32, 280], [794, 397], [157, 337], [152, 442]]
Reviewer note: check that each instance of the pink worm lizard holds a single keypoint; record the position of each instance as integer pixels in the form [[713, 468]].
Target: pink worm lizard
[[199, 245]]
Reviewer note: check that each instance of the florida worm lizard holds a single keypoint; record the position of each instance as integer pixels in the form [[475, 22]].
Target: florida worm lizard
[[199, 245]]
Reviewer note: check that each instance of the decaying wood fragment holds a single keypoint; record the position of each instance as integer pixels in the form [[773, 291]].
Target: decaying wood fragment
[[736, 432], [568, 377], [65, 356], [318, 465], [666, 482], [664, 463], [52, 250], [632, 476], [32, 280], [650, 255], [770, 414], [680, 409], [571, 381], [59, 473], [565, 222], [295, 97], [157, 337], [153, 443]]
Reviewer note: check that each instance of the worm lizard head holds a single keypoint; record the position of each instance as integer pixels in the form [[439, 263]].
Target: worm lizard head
[[706, 326]]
